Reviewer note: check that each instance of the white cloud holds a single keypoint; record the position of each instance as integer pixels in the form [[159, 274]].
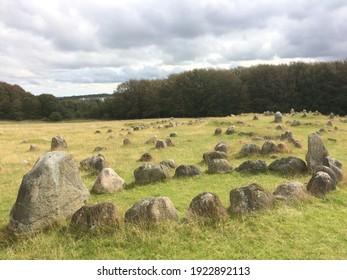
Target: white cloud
[[68, 46]]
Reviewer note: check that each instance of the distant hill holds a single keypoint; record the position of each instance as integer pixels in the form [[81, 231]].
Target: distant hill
[[100, 96]]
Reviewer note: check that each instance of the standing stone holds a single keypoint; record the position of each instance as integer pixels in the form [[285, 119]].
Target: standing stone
[[48, 194], [206, 205], [150, 173], [58, 143], [278, 117], [108, 181], [152, 210], [331, 116], [251, 198], [317, 153], [255, 118], [292, 112], [98, 215]]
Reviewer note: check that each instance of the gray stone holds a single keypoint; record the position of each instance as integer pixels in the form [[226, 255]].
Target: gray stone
[[253, 166], [150, 173], [317, 153], [169, 163], [152, 140], [219, 166], [58, 143], [146, 157], [152, 210], [295, 123], [108, 181], [169, 142], [320, 184], [160, 144], [222, 147], [278, 117], [208, 156], [126, 142], [230, 130], [33, 148], [255, 118], [290, 191], [104, 214], [173, 134], [48, 194], [187, 170], [289, 165], [99, 149], [218, 131], [249, 149], [93, 163], [269, 148], [251, 198], [208, 206]]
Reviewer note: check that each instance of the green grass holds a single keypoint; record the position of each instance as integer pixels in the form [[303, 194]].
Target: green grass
[[314, 229]]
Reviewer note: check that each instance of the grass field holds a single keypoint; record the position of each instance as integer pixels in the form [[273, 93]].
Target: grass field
[[315, 229]]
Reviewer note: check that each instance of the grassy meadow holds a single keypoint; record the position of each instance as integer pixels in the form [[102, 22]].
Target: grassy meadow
[[314, 229]]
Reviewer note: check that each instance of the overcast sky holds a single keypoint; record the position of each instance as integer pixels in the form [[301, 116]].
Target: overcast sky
[[70, 47]]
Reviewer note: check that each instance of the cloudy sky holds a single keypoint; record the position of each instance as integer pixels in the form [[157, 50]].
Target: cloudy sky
[[70, 47]]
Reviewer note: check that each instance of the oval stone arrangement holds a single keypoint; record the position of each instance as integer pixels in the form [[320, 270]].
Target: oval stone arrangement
[[53, 190]]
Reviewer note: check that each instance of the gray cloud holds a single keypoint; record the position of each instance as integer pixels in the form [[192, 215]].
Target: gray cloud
[[102, 42]]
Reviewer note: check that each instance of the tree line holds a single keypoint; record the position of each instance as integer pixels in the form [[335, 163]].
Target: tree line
[[320, 86]]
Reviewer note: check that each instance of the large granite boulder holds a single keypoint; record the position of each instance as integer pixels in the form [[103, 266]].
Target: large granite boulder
[[251, 198], [150, 173], [96, 216], [206, 205], [152, 210], [49, 193], [288, 166], [108, 181]]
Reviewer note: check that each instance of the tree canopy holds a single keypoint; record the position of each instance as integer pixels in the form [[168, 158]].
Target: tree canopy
[[320, 86]]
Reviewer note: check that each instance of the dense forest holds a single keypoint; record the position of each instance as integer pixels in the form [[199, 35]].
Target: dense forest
[[318, 86]]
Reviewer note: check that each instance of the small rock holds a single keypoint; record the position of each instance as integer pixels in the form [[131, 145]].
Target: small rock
[[146, 157], [218, 131], [58, 143], [169, 163], [150, 173], [253, 166], [161, 144]]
